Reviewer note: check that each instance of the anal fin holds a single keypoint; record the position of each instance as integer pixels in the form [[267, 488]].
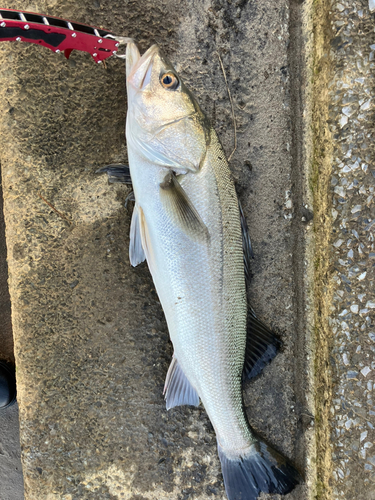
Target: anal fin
[[262, 345], [177, 388]]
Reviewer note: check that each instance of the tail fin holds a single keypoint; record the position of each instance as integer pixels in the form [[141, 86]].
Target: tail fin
[[262, 470]]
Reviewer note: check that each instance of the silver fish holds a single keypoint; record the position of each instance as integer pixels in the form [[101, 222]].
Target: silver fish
[[186, 224]]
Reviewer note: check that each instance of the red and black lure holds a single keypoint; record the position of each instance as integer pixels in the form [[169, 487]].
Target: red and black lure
[[58, 34]]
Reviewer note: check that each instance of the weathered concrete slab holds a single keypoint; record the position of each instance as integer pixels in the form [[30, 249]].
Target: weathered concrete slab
[[91, 342]]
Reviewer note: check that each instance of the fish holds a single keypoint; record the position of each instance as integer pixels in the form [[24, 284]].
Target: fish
[[188, 225]]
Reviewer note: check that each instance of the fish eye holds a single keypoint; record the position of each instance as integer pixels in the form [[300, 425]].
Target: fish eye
[[169, 81]]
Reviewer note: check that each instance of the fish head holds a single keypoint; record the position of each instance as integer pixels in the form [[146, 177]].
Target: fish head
[[164, 122]]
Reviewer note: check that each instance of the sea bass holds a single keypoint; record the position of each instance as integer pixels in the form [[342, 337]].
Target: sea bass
[[186, 224]]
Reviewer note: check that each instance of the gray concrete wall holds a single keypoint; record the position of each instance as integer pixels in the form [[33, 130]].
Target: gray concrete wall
[[91, 342]]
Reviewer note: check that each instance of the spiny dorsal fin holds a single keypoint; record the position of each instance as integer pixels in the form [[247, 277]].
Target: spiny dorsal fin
[[177, 389], [261, 346], [248, 253], [136, 253], [181, 210]]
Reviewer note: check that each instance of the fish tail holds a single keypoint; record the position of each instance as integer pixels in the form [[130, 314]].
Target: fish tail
[[262, 469]]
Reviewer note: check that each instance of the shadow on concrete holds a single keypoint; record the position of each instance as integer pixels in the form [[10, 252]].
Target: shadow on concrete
[[6, 338]]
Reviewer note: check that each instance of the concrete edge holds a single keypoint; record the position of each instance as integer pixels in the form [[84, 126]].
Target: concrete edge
[[301, 63]]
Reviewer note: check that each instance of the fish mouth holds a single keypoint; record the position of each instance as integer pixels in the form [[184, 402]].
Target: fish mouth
[[139, 68]]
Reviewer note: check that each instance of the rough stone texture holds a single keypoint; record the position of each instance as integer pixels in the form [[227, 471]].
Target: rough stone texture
[[91, 342]]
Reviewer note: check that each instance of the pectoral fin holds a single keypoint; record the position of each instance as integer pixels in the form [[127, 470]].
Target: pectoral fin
[[181, 210], [177, 389], [146, 241], [136, 253]]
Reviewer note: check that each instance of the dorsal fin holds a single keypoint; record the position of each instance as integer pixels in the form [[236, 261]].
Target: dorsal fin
[[116, 172], [248, 253], [261, 346]]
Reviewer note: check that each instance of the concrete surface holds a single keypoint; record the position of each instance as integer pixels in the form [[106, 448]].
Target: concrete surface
[[346, 157], [91, 342], [11, 479]]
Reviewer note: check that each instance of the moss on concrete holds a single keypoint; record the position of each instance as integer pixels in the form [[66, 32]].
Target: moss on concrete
[[319, 183]]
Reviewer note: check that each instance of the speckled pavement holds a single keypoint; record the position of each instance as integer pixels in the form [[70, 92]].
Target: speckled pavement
[[344, 177], [353, 222]]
